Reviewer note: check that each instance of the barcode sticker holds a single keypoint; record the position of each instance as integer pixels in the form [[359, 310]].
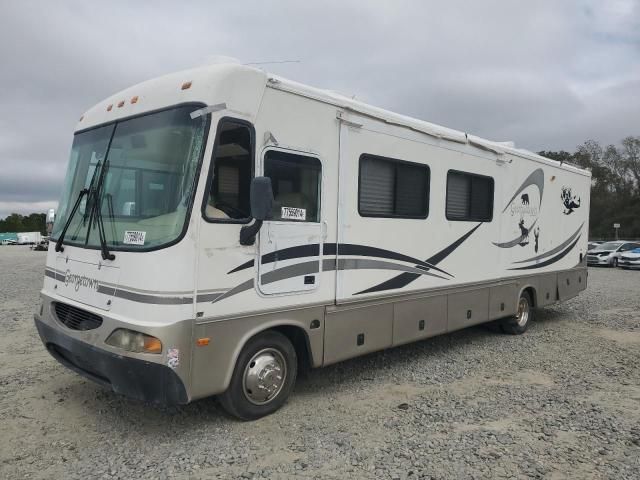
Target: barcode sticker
[[134, 238], [292, 213]]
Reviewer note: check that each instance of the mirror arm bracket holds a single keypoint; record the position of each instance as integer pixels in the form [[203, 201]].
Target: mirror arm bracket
[[248, 233]]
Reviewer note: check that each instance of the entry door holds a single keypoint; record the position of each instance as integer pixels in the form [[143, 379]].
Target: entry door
[[290, 243]]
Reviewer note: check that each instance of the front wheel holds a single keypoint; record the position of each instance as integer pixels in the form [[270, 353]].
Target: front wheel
[[519, 324], [614, 262], [263, 377]]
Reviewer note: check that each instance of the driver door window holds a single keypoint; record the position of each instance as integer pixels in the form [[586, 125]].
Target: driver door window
[[228, 199]]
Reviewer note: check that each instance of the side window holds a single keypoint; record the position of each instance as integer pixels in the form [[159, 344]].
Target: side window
[[392, 188], [232, 171], [628, 246], [296, 185], [469, 197]]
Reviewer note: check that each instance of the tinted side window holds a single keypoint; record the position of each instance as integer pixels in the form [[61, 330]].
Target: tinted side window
[[392, 188], [469, 197], [295, 180], [232, 172]]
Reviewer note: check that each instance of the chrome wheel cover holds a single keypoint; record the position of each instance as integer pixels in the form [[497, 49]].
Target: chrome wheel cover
[[522, 317], [264, 376]]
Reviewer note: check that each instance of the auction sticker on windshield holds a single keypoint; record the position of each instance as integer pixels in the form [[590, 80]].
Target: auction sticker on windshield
[[132, 237], [291, 213]]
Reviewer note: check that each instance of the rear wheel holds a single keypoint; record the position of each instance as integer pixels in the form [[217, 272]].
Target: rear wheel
[[520, 322], [263, 377]]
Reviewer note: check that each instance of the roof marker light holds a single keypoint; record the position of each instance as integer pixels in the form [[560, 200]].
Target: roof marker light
[[186, 85], [110, 107], [134, 99], [120, 103]]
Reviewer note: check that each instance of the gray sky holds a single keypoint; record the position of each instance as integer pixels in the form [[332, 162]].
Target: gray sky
[[546, 74]]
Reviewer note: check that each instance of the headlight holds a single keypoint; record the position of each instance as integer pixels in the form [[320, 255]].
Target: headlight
[[134, 341]]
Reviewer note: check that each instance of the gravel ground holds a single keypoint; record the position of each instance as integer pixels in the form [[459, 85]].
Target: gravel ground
[[561, 401]]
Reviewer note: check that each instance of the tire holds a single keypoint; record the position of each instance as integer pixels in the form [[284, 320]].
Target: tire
[[269, 353], [614, 262], [519, 323]]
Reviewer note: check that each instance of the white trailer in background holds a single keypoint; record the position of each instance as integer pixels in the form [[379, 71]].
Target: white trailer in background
[[29, 238], [222, 227]]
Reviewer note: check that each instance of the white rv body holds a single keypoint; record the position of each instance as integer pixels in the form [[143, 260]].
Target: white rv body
[[338, 286]]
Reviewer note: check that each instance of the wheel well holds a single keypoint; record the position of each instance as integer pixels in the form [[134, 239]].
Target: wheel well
[[532, 294], [298, 338]]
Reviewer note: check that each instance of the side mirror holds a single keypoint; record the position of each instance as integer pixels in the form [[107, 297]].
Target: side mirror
[[261, 199]]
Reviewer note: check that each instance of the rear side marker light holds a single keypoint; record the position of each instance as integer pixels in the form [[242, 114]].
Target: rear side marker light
[[186, 86]]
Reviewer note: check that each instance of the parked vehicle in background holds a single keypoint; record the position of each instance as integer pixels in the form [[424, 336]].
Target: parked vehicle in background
[[630, 259], [608, 254], [593, 245], [8, 238], [42, 246], [29, 238]]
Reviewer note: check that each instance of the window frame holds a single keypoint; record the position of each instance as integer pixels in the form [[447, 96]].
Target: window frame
[[470, 219], [209, 185], [300, 153], [395, 184]]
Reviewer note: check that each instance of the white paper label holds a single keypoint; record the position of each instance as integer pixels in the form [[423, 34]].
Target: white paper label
[[134, 238], [292, 213]]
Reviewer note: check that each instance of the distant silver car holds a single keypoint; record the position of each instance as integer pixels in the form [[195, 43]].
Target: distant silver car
[[630, 259], [608, 254]]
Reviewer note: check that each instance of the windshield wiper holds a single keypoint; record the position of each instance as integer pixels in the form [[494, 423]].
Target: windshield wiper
[[97, 211], [82, 193]]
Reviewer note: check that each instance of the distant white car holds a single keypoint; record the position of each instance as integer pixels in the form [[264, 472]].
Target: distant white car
[[630, 259], [608, 254]]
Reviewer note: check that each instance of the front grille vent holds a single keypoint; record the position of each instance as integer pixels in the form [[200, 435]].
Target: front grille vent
[[76, 318]]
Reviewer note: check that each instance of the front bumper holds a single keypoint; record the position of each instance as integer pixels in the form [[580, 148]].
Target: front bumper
[[132, 377], [597, 260], [635, 264]]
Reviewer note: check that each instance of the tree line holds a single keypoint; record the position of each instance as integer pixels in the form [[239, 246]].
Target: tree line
[[615, 185], [35, 222], [615, 190]]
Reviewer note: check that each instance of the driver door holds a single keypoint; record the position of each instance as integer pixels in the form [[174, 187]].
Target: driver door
[[290, 243]]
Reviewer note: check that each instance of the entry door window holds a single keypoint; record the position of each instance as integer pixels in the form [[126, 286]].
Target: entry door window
[[296, 186]]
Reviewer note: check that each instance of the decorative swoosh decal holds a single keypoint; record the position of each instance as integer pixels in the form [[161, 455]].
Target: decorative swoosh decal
[[515, 241], [405, 279], [307, 268], [536, 178], [346, 249], [551, 260], [554, 250]]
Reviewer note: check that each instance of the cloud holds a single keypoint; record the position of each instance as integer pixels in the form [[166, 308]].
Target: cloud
[[546, 74]]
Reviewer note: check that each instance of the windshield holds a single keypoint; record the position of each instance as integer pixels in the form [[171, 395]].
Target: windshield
[[148, 167], [609, 246]]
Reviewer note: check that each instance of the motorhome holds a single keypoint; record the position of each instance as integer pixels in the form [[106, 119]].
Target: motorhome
[[222, 228]]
